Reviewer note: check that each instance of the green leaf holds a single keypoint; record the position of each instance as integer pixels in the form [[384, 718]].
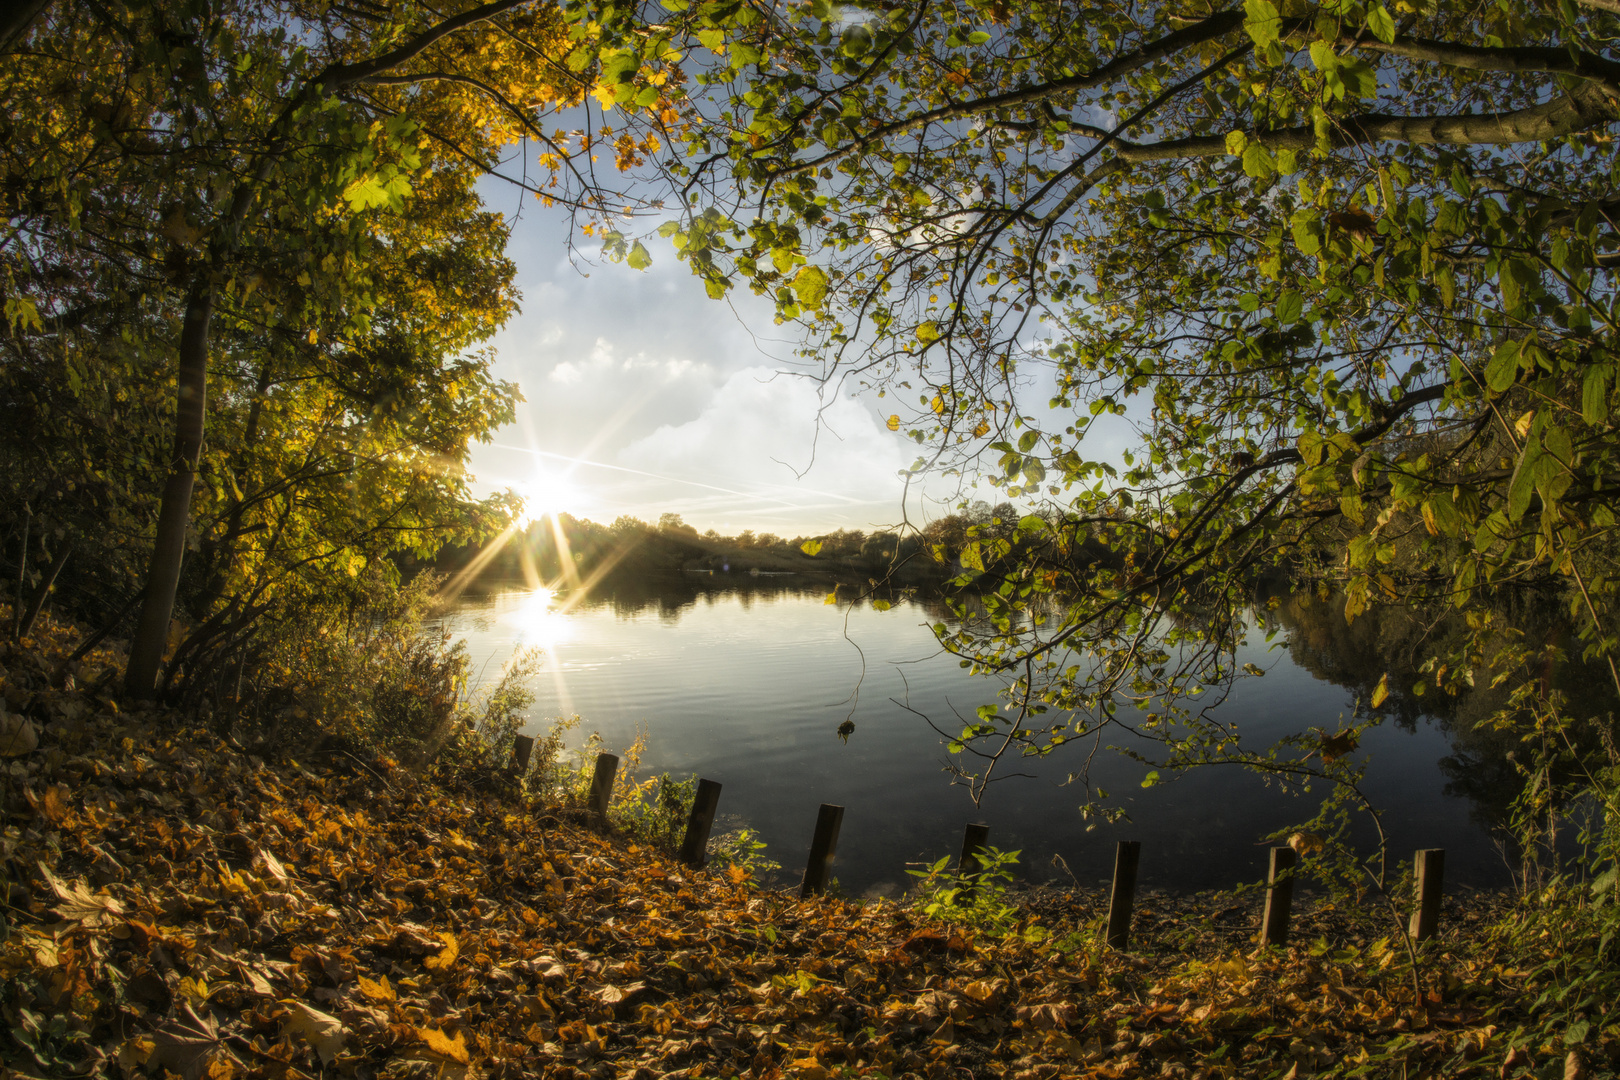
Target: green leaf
[[1595, 395], [811, 287], [1523, 484], [978, 37], [1263, 21], [1151, 778], [1381, 23], [1290, 306], [1307, 229], [1257, 161], [1503, 367], [639, 259]]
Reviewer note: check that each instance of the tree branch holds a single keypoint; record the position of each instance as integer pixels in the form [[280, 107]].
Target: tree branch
[[1207, 29], [1562, 116], [1521, 60]]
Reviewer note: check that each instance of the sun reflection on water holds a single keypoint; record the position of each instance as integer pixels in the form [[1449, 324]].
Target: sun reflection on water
[[542, 619]]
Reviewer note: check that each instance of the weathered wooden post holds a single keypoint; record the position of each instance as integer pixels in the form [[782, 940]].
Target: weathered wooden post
[[607, 765], [695, 847], [522, 750], [974, 840], [1430, 865], [1279, 897], [1123, 897], [823, 846]]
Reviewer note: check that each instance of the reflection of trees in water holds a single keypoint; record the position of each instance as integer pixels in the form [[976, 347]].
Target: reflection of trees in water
[[670, 595], [1386, 640]]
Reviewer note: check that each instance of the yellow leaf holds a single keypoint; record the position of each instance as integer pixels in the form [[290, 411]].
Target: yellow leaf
[[894, 421], [443, 1045], [380, 990], [1305, 843], [1381, 691], [443, 961]]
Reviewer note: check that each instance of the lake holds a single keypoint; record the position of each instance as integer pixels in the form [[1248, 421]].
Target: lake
[[745, 681]]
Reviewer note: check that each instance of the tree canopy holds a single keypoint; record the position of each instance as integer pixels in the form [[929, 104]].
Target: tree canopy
[[247, 277], [1343, 272]]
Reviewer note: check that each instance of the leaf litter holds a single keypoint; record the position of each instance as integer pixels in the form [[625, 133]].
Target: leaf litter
[[180, 907]]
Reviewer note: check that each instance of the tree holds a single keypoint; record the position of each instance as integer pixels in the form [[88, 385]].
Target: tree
[[279, 197], [1348, 271]]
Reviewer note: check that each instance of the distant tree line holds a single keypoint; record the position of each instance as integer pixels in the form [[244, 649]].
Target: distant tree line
[[973, 543]]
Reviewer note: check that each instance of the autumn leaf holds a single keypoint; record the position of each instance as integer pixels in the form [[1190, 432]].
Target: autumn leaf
[[187, 1044], [1381, 691], [1333, 747], [446, 957], [17, 735], [323, 1032], [1306, 843], [378, 990], [268, 865], [612, 995], [79, 905], [439, 1043]]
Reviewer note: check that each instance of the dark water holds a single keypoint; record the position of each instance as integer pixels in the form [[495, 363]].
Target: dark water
[[747, 683]]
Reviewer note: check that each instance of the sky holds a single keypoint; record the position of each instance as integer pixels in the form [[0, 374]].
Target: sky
[[644, 397]]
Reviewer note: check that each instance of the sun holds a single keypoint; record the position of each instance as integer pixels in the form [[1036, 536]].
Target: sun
[[547, 492]]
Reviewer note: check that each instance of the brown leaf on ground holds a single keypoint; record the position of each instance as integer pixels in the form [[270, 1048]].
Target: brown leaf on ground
[[17, 735], [322, 1031], [78, 904], [187, 1045]]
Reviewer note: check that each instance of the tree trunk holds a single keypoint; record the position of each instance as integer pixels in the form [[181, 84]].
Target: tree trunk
[[169, 547]]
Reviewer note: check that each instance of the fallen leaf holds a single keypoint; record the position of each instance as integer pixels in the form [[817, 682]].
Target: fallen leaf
[[82, 906], [268, 865], [380, 990], [325, 1033], [437, 1041], [186, 1044], [17, 735], [446, 957], [612, 995]]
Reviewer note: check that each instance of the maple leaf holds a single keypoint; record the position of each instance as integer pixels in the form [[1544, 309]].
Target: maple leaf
[[322, 1031], [80, 905], [379, 990], [443, 1045], [188, 1044], [446, 957]]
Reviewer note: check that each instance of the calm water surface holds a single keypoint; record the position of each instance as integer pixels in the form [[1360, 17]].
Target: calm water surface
[[747, 684]]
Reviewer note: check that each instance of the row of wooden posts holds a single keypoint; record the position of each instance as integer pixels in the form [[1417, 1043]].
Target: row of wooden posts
[[1431, 862]]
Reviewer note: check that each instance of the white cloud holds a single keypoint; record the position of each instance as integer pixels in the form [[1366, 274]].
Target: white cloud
[[756, 436]]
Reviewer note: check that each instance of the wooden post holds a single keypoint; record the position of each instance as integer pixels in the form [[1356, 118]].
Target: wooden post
[[602, 784], [1123, 898], [1430, 865], [695, 848], [522, 749], [1279, 898], [823, 846]]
